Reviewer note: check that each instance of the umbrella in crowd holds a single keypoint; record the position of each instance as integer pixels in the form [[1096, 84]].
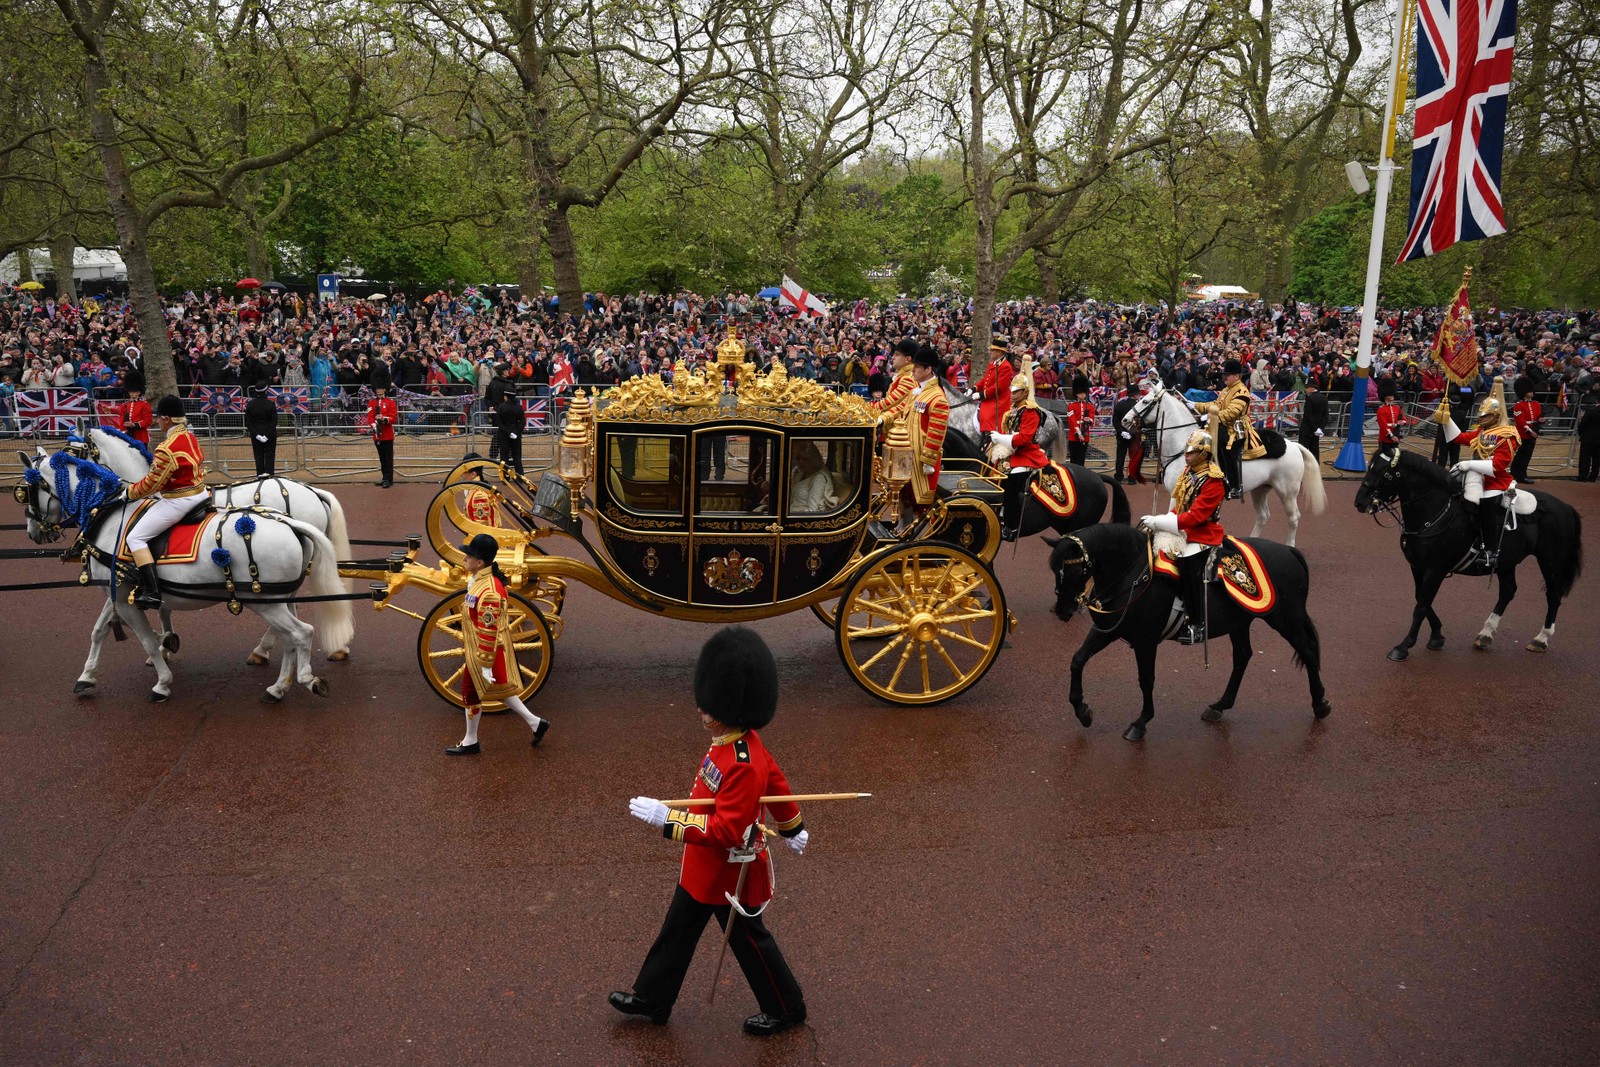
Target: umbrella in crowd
[[248, 283], [771, 292], [31, 287], [279, 286], [377, 296]]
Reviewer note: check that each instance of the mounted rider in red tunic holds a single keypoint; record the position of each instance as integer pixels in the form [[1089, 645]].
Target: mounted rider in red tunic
[[1015, 449], [1196, 518], [1487, 484], [992, 391], [176, 480]]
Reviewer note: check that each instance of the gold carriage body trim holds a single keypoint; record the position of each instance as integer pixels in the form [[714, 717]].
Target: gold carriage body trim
[[773, 398]]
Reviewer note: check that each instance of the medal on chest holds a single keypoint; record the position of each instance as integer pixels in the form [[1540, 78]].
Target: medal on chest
[[710, 773]]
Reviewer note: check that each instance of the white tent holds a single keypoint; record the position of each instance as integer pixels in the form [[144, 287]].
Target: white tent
[[88, 265], [1223, 292]]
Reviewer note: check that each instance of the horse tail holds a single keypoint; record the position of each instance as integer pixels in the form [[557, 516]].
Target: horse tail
[[335, 621], [1568, 554], [1119, 501], [1313, 640], [338, 529], [1311, 481]]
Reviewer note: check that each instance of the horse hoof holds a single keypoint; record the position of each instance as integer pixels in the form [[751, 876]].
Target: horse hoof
[[83, 689], [1436, 643], [320, 687], [269, 697], [1538, 646], [1085, 715], [256, 659], [339, 656], [1482, 642], [1211, 714], [170, 643], [1133, 733], [1322, 708], [158, 697], [1398, 654]]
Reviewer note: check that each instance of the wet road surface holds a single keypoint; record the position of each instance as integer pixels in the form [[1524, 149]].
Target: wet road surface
[[1415, 880]]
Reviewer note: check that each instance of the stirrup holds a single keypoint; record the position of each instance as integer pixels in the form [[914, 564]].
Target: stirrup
[[1191, 634]]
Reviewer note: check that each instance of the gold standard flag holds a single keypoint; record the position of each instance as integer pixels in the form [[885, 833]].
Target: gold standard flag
[[1456, 347]]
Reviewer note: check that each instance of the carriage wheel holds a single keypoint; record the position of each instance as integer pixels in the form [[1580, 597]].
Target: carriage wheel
[[921, 623], [826, 612], [442, 661]]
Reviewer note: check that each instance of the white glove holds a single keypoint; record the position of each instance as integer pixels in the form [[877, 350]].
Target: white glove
[[488, 675], [1319, 433], [798, 842], [513, 437], [972, 394], [1479, 466], [648, 809], [927, 469], [1126, 436], [1167, 523]]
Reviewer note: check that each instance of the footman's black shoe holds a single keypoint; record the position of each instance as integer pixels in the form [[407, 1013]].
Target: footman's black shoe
[[628, 1004], [539, 731], [463, 750], [765, 1025]]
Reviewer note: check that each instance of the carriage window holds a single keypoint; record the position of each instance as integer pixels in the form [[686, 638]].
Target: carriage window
[[823, 474], [734, 471], [646, 473]]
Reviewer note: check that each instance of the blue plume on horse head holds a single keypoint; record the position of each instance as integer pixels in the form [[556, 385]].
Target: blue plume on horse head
[[96, 485], [31, 475]]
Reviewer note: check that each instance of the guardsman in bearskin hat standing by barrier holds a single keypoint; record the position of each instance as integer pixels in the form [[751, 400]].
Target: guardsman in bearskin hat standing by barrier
[[176, 479], [1230, 425], [992, 391], [1525, 415], [137, 418], [1080, 421], [736, 693], [927, 419], [1195, 517], [1391, 416], [1019, 453], [1486, 474], [382, 414], [897, 397], [490, 671]]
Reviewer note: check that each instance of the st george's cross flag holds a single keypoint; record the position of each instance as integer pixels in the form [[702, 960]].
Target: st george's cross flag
[[1463, 78], [791, 293]]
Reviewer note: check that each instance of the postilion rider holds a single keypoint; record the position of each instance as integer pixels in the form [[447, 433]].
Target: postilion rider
[[1230, 424], [1196, 504], [1019, 431], [176, 481], [490, 671], [1487, 483], [736, 694]]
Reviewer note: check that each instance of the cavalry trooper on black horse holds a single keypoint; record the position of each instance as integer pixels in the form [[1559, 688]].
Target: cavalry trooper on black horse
[[1226, 584], [1015, 450], [177, 482]]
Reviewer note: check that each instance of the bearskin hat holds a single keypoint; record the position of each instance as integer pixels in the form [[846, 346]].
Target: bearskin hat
[[380, 377], [1524, 388], [736, 679], [1385, 389], [1080, 384]]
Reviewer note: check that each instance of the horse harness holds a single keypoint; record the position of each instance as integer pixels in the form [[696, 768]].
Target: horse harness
[[1141, 585]]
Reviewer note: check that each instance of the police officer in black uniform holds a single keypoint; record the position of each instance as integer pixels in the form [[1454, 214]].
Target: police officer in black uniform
[[510, 422], [261, 423]]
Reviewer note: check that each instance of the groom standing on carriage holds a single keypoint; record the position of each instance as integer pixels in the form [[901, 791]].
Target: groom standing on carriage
[[176, 478], [1230, 425]]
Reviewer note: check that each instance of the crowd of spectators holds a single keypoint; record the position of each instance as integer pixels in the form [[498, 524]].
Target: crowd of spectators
[[458, 343]]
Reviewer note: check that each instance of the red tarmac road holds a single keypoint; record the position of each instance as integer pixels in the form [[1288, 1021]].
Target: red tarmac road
[[1414, 881]]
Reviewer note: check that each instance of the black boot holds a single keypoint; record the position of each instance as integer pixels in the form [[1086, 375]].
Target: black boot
[[148, 596], [628, 1004], [1194, 598], [764, 1025]]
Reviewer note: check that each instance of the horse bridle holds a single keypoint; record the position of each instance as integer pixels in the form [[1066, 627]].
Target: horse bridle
[[1390, 505], [1161, 427], [1094, 606], [27, 494]]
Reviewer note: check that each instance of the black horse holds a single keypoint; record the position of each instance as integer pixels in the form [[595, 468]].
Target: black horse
[[1093, 491], [1439, 537], [1131, 603]]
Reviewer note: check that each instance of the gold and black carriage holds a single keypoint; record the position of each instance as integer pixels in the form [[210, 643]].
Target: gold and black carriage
[[719, 498]]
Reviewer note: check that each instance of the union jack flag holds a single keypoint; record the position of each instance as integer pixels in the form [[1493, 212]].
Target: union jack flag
[[1275, 410], [537, 408], [51, 412], [295, 400], [219, 399], [1463, 77]]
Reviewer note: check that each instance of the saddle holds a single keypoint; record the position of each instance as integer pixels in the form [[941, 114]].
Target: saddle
[[1052, 487], [180, 543], [1274, 442], [1240, 571]]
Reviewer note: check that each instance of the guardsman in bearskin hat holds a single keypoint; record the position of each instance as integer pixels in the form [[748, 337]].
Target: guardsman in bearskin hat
[[490, 671], [736, 694], [1015, 449], [897, 397], [382, 414], [992, 390], [1526, 414], [1230, 424], [137, 418], [176, 478], [1487, 474], [927, 419], [479, 503], [1080, 421], [1391, 416], [1195, 517]]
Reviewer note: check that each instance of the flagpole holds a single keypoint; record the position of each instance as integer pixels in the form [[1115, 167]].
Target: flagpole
[[1352, 457]]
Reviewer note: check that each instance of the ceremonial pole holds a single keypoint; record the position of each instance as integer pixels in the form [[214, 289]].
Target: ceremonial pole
[[1352, 457]]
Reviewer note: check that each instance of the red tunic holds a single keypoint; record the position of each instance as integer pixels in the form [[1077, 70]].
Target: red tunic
[[486, 617], [1027, 453], [137, 420], [994, 388], [1391, 420], [480, 506], [1199, 496], [382, 414], [177, 469], [1080, 420], [1498, 445], [737, 772], [1526, 413]]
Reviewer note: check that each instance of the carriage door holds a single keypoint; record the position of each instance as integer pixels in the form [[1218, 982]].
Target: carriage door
[[734, 526]]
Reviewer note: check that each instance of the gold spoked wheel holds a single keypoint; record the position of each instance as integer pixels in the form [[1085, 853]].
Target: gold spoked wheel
[[921, 623], [443, 662]]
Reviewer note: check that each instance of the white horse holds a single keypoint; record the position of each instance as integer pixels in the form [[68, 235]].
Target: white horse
[[130, 461], [64, 489], [964, 419], [1174, 419]]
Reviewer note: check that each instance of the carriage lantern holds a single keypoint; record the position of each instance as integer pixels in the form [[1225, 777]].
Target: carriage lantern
[[899, 462], [572, 455]]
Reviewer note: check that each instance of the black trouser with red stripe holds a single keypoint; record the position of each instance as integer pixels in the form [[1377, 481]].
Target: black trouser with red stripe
[[661, 975]]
